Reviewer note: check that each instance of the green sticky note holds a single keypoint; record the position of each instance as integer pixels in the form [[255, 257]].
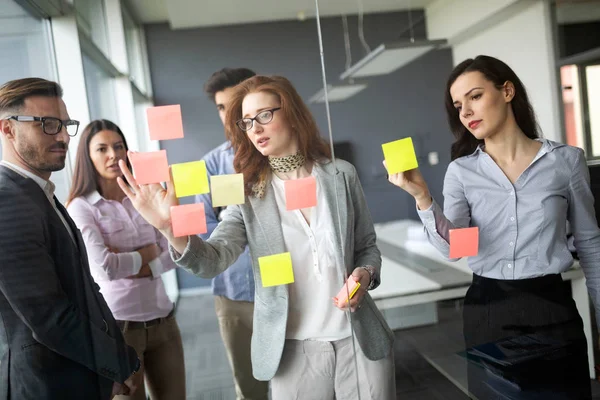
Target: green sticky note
[[276, 269], [227, 190], [190, 178], [400, 155]]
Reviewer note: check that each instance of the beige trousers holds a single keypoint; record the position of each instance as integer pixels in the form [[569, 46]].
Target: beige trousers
[[311, 370], [160, 350], [235, 323]]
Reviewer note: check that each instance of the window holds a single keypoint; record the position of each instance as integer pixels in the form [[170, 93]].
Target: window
[[91, 19], [133, 43], [100, 91], [571, 96], [592, 81], [26, 44]]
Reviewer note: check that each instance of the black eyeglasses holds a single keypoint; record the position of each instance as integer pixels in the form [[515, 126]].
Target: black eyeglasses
[[263, 118], [51, 125]]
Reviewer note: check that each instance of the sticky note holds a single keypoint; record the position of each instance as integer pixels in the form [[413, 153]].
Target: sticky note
[[165, 122], [400, 155], [188, 219], [150, 167], [464, 242], [351, 286], [300, 193], [227, 189], [276, 269], [190, 178]]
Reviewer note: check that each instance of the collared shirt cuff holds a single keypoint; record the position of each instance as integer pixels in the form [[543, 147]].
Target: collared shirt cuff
[[136, 264], [156, 266], [428, 216]]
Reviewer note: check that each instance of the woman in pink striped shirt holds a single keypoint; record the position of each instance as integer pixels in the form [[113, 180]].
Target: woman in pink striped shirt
[[127, 256]]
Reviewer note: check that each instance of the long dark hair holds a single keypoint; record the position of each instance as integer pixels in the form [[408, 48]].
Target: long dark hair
[[85, 176], [498, 73]]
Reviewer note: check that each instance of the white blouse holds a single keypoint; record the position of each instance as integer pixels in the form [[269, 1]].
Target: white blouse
[[317, 278]]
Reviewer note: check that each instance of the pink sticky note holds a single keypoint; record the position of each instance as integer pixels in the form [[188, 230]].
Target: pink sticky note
[[188, 219], [464, 242], [165, 122], [300, 193], [150, 167], [351, 286]]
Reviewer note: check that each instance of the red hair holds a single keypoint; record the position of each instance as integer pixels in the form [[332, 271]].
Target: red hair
[[249, 161]]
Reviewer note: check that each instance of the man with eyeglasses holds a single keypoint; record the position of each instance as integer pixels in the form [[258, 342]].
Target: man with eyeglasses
[[58, 339], [234, 288]]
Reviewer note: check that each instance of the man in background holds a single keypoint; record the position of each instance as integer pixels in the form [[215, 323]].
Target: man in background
[[234, 288]]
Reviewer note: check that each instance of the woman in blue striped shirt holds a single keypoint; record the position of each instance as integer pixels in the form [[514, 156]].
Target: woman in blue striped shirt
[[520, 191]]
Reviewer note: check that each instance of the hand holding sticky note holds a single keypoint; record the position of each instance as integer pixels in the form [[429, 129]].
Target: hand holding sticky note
[[300, 193], [227, 190], [347, 292], [150, 167], [276, 269], [400, 155], [188, 219], [190, 178], [464, 242], [165, 122]]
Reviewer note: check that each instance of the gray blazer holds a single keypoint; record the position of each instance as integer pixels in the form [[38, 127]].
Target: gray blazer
[[256, 223], [58, 338]]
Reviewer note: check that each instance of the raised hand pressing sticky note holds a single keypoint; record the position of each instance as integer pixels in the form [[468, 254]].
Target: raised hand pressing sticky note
[[165, 122], [464, 242], [300, 193], [276, 269], [190, 178], [400, 155], [150, 167], [227, 189], [188, 219]]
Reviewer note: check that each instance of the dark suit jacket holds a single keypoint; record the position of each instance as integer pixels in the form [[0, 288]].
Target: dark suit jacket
[[58, 339]]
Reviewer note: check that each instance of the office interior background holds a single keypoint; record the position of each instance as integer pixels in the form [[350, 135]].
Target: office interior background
[[115, 58]]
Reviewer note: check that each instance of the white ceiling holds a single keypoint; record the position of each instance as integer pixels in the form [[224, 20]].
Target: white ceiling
[[199, 13]]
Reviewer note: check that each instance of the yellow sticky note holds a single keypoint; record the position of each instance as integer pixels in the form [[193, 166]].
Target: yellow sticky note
[[276, 269], [400, 155], [190, 178], [227, 189]]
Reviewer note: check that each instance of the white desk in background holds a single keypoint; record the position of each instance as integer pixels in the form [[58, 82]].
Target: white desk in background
[[414, 276]]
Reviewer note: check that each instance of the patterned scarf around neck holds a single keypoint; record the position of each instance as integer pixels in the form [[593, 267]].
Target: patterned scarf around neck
[[279, 164]]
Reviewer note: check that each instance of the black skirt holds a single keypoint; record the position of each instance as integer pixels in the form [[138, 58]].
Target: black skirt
[[524, 340]]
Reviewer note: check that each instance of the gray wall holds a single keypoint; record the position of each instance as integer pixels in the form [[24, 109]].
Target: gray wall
[[408, 102]]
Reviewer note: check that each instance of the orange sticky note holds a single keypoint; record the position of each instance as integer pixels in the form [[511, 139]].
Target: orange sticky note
[[165, 122], [276, 269], [300, 193], [400, 155], [464, 242], [351, 286], [150, 167], [190, 178], [227, 189], [188, 219]]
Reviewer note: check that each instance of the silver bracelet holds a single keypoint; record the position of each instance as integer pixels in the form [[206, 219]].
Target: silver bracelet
[[372, 272]]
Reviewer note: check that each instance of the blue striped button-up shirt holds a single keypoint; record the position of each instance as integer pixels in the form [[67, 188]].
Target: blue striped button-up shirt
[[237, 282], [522, 226]]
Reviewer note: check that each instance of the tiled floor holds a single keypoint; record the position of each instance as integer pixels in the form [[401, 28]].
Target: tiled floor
[[209, 377]]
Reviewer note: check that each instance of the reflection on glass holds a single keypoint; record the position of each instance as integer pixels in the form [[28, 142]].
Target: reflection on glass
[[572, 105], [100, 91], [593, 91], [91, 19]]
